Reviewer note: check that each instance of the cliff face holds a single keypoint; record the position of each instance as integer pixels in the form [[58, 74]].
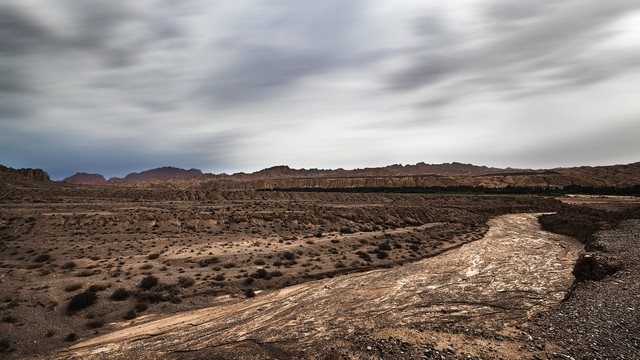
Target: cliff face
[[618, 175], [25, 174], [418, 175]]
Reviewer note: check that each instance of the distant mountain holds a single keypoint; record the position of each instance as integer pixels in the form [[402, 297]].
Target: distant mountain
[[85, 178], [25, 174], [446, 169], [159, 173], [418, 175]]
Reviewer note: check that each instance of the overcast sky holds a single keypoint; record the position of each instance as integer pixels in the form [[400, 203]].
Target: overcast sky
[[225, 86]]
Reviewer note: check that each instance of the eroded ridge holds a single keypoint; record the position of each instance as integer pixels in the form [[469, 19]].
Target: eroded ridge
[[515, 270]]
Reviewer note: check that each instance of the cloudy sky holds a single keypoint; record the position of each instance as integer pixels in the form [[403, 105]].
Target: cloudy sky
[[225, 86]]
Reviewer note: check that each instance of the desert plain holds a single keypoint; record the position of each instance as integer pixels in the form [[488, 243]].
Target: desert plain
[[115, 271]]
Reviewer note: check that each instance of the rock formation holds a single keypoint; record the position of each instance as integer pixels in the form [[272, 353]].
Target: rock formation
[[25, 174]]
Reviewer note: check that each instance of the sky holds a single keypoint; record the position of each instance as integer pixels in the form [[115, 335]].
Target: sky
[[225, 86]]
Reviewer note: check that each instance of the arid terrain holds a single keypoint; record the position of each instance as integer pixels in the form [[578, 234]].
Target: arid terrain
[[100, 271]]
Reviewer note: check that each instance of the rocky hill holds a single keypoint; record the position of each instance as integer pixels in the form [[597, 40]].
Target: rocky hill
[[159, 173], [25, 174], [85, 178], [419, 175]]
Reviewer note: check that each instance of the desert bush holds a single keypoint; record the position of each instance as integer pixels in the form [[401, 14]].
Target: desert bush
[[346, 230], [381, 254], [85, 273], [249, 280], [249, 293], [131, 314], [146, 267], [140, 307], [120, 295], [148, 282], [261, 274], [276, 273], [81, 301], [97, 287], [95, 323], [364, 256], [185, 281], [384, 246], [219, 277], [50, 333], [229, 265], [71, 337], [73, 287], [153, 256], [209, 261], [42, 258], [10, 319], [259, 262], [288, 255], [5, 344]]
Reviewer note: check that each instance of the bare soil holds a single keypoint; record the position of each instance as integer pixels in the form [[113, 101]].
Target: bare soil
[[60, 243], [514, 271], [113, 272]]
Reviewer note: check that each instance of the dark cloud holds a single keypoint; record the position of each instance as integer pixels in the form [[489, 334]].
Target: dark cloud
[[552, 42], [262, 72], [120, 85], [304, 38], [19, 32]]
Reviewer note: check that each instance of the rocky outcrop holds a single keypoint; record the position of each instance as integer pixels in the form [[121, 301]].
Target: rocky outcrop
[[393, 176], [85, 178], [161, 173], [25, 174]]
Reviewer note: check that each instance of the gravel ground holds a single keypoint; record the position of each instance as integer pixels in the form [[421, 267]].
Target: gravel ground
[[601, 319]]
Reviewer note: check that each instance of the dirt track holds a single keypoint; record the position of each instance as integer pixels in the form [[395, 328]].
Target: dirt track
[[515, 270]]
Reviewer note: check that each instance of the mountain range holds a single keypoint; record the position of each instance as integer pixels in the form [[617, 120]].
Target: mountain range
[[159, 173], [418, 175]]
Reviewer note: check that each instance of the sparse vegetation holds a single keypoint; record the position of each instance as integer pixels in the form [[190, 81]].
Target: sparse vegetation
[[81, 301], [73, 287], [148, 282], [120, 294], [185, 281], [130, 314], [69, 265], [5, 344], [42, 258], [10, 319], [95, 323]]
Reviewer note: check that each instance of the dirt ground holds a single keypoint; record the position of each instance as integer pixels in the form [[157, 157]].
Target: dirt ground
[[73, 258], [103, 270], [514, 271]]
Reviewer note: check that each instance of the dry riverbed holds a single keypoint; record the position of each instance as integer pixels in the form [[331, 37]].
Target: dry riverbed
[[478, 292]]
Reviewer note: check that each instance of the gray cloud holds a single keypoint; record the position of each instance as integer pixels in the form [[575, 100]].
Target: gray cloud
[[552, 42], [122, 86]]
